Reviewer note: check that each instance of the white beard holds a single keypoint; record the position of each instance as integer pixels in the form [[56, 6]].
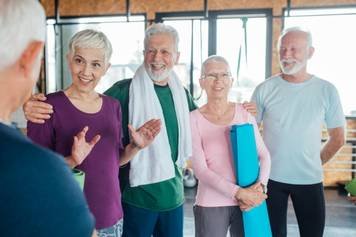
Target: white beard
[[161, 77], [291, 70]]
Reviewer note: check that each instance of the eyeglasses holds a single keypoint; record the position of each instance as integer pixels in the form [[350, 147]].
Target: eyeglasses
[[214, 76]]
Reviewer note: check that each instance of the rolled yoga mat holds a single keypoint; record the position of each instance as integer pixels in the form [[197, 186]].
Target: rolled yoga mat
[[246, 162]]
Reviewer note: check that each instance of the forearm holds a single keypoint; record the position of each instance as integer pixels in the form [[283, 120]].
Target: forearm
[[127, 155], [335, 142], [329, 150]]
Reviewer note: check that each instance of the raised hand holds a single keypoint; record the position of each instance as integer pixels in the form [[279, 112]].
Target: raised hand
[[250, 107], [143, 136], [36, 110], [81, 148]]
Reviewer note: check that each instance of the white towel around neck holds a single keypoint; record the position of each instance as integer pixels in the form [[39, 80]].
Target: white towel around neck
[[154, 163]]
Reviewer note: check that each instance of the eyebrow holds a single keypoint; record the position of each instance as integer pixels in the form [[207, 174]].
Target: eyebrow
[[95, 60]]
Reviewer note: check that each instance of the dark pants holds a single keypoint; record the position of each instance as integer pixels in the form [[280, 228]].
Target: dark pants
[[139, 222], [309, 206]]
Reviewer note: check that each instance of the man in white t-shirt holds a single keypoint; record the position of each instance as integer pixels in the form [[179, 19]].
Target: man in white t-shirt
[[293, 106]]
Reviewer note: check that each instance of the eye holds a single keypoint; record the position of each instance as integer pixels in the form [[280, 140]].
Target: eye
[[96, 65], [151, 51], [78, 60], [165, 53]]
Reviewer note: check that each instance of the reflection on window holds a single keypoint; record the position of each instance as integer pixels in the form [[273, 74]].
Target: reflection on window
[[126, 39], [334, 43]]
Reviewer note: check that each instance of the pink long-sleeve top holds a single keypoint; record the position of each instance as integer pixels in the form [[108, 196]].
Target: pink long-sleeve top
[[212, 158]]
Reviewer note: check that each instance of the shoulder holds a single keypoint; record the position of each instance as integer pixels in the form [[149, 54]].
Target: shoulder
[[269, 82], [56, 97], [120, 85]]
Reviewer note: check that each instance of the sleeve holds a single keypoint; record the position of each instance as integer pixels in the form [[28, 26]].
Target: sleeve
[[201, 169], [263, 153], [42, 134], [256, 97], [334, 115]]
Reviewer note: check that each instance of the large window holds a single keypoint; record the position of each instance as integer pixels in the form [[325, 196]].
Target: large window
[[242, 37], [334, 41], [125, 37]]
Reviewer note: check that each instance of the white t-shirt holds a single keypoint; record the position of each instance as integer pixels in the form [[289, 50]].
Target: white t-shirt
[[293, 115]]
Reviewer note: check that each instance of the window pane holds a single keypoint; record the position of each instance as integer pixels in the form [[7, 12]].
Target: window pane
[[231, 40]]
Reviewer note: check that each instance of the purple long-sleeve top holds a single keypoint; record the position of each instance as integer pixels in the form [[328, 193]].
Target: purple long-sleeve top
[[101, 187]]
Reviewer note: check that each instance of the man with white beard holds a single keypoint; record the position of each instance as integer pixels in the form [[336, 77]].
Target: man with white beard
[[293, 107]]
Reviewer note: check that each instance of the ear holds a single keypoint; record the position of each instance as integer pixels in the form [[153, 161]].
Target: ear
[[177, 58], [107, 67], [202, 84], [29, 58], [311, 52]]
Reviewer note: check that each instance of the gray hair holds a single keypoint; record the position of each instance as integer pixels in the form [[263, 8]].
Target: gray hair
[[21, 22], [296, 29], [91, 39], [216, 59], [160, 28]]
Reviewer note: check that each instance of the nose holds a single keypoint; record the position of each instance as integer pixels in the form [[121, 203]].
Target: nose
[[157, 55], [86, 70]]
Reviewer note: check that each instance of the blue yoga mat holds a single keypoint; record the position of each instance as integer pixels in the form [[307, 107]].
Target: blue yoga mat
[[256, 221]]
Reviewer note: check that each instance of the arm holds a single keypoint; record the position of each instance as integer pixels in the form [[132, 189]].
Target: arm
[[36, 110], [200, 166], [209, 177], [263, 154], [140, 139], [335, 142]]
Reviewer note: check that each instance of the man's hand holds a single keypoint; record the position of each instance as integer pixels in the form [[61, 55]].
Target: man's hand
[[250, 107], [144, 136], [36, 110], [81, 148]]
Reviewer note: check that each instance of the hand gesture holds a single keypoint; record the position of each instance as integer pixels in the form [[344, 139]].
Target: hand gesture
[[144, 136], [250, 107], [36, 110], [250, 197], [81, 148]]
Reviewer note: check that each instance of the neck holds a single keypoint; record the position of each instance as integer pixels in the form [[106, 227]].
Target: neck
[[298, 77], [161, 83], [218, 106], [74, 93]]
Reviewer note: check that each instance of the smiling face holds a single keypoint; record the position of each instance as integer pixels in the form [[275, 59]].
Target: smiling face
[[294, 53], [216, 80], [87, 66], [160, 56]]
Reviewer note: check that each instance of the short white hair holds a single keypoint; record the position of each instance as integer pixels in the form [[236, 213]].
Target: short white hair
[[21, 22], [216, 59], [309, 37], [91, 39], [161, 28]]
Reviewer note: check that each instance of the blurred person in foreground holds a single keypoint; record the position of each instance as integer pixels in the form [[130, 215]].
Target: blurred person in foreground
[[38, 196]]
